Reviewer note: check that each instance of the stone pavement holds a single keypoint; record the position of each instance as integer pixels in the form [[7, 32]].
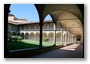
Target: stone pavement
[[71, 51]]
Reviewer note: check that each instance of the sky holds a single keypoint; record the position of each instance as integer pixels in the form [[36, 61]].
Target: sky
[[26, 11]]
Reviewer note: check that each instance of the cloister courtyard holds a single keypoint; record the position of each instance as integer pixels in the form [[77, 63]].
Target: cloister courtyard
[[64, 31]]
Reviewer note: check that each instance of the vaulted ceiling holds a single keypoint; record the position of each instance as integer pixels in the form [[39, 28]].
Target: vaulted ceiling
[[69, 15]]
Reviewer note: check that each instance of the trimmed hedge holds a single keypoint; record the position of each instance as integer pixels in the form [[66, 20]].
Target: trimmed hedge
[[45, 39], [15, 38]]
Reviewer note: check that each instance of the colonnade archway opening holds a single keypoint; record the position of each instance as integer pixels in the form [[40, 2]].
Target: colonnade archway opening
[[48, 31], [27, 25]]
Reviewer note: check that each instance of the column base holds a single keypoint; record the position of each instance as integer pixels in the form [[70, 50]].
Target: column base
[[64, 44]]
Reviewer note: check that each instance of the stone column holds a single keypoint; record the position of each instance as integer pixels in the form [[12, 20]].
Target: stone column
[[72, 39], [41, 27], [75, 39], [54, 34], [62, 36], [65, 43], [68, 39]]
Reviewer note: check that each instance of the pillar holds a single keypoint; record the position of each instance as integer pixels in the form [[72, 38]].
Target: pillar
[[54, 34], [41, 26], [68, 39], [62, 36], [75, 40], [65, 43], [72, 39]]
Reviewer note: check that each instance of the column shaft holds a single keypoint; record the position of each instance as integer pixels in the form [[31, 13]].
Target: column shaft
[[54, 34], [62, 36]]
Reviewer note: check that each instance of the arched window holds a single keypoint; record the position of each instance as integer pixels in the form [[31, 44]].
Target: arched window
[[13, 33], [37, 35], [32, 36], [22, 35], [27, 36]]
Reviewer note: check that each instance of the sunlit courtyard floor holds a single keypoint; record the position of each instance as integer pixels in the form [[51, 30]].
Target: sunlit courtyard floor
[[70, 47], [28, 44], [71, 51]]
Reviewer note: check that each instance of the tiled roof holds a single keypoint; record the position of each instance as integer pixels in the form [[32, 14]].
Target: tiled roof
[[10, 15], [22, 23]]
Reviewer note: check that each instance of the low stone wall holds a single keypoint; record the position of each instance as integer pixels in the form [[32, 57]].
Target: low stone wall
[[32, 52]]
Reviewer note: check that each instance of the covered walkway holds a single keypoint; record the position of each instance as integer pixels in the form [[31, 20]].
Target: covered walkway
[[71, 51]]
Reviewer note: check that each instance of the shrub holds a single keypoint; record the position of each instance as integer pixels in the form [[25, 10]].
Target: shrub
[[19, 38], [15, 38], [45, 39]]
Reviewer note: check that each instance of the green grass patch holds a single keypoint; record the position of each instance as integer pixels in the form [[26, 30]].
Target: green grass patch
[[27, 44]]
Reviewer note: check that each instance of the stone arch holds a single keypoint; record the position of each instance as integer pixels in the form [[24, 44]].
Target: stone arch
[[51, 36], [13, 33], [27, 36], [44, 35], [22, 35], [37, 35], [78, 38], [31, 36], [58, 37]]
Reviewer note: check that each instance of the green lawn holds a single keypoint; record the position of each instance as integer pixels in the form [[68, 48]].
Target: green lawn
[[28, 44]]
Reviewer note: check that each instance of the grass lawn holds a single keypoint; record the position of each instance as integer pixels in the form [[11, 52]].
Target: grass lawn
[[27, 44]]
